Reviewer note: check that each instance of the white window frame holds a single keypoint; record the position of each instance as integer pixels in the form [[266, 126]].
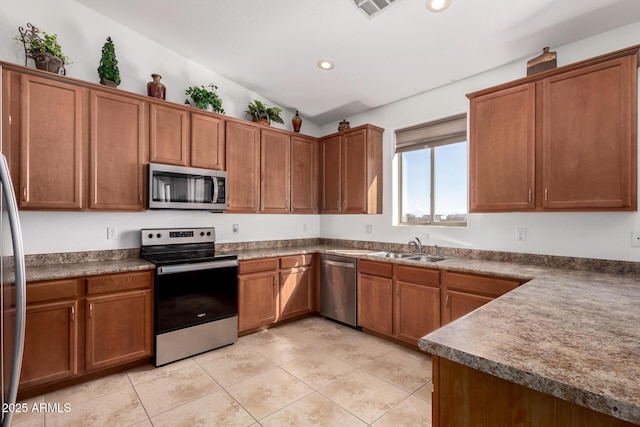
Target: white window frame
[[450, 130]]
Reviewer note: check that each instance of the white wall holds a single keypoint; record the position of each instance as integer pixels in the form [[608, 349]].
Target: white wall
[[82, 32], [592, 235]]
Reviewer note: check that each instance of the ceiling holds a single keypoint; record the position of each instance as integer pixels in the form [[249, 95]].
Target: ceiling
[[272, 47]]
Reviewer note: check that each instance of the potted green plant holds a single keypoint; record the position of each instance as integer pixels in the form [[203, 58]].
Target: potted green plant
[[262, 113], [108, 70], [45, 51], [206, 97]]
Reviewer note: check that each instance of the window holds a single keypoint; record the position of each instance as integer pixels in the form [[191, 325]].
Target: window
[[433, 175]]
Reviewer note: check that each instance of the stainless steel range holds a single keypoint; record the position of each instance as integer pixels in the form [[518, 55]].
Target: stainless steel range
[[195, 294]]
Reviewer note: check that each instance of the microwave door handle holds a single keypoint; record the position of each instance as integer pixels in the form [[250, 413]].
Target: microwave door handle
[[215, 189]]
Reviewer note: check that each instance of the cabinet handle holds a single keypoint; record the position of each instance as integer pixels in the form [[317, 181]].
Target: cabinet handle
[[24, 194], [344, 205], [397, 291], [447, 301], [90, 311], [389, 288], [275, 279], [546, 194], [529, 196], [140, 199], [73, 313], [338, 204]]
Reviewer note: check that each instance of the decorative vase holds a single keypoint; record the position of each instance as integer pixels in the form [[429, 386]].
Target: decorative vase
[[155, 88], [296, 122], [109, 83], [48, 62], [343, 125]]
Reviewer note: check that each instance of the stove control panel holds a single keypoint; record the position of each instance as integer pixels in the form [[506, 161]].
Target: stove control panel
[[176, 236]]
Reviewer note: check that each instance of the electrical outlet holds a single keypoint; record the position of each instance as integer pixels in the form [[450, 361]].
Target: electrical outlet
[[236, 228], [112, 233], [521, 234], [635, 239], [369, 228]]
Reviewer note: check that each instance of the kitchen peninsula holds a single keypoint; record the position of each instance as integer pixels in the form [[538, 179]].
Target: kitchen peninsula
[[573, 335]]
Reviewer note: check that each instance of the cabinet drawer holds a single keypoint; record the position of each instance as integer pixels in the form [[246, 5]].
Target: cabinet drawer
[[257, 265], [295, 261], [491, 286], [423, 276], [49, 291], [384, 269], [118, 282]]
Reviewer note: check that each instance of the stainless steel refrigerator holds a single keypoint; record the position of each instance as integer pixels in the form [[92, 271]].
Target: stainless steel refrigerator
[[12, 291]]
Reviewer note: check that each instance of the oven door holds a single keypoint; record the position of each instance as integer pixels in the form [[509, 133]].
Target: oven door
[[192, 294]]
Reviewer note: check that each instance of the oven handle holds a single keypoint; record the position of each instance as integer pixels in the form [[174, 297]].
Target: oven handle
[[172, 269]]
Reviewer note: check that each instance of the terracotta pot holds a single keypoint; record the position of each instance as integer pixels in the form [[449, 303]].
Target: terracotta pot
[[264, 122]]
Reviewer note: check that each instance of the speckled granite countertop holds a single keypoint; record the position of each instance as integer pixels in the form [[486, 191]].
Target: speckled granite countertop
[[572, 334], [91, 268], [569, 333]]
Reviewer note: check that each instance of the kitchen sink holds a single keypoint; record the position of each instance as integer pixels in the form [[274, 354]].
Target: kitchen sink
[[412, 257], [425, 258], [392, 255]]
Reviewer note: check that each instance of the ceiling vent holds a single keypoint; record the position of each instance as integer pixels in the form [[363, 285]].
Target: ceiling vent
[[373, 7]]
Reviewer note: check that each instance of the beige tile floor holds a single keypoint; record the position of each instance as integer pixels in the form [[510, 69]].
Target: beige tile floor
[[313, 372]]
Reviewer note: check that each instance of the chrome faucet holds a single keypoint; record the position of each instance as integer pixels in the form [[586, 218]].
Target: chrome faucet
[[437, 250], [417, 243]]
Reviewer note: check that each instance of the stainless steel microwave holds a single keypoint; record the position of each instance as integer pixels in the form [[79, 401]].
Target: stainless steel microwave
[[179, 187]]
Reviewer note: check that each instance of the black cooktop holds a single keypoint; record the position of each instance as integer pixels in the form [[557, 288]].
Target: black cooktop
[[188, 257]]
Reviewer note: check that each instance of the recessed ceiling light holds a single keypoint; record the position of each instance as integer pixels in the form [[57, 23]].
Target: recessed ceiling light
[[438, 5], [325, 64]]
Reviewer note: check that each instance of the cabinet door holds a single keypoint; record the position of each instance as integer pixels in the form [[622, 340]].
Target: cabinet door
[[243, 167], [168, 138], [416, 311], [457, 304], [331, 175], [257, 300], [502, 150], [207, 142], [590, 137], [119, 328], [304, 181], [295, 292], [117, 152], [50, 346], [275, 165], [375, 303], [354, 172], [51, 144]]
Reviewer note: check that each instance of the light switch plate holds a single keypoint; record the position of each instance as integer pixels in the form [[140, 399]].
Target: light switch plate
[[635, 239], [521, 234]]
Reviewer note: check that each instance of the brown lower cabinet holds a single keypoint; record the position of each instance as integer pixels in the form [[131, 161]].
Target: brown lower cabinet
[[274, 289], [81, 325], [464, 396], [398, 300], [464, 292]]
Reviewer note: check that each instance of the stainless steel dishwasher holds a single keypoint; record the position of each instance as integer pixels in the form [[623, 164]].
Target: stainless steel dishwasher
[[338, 291]]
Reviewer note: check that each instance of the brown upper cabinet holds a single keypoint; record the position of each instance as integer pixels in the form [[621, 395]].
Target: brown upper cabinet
[[65, 152], [269, 170], [117, 153], [178, 136], [564, 139], [243, 167], [351, 171]]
